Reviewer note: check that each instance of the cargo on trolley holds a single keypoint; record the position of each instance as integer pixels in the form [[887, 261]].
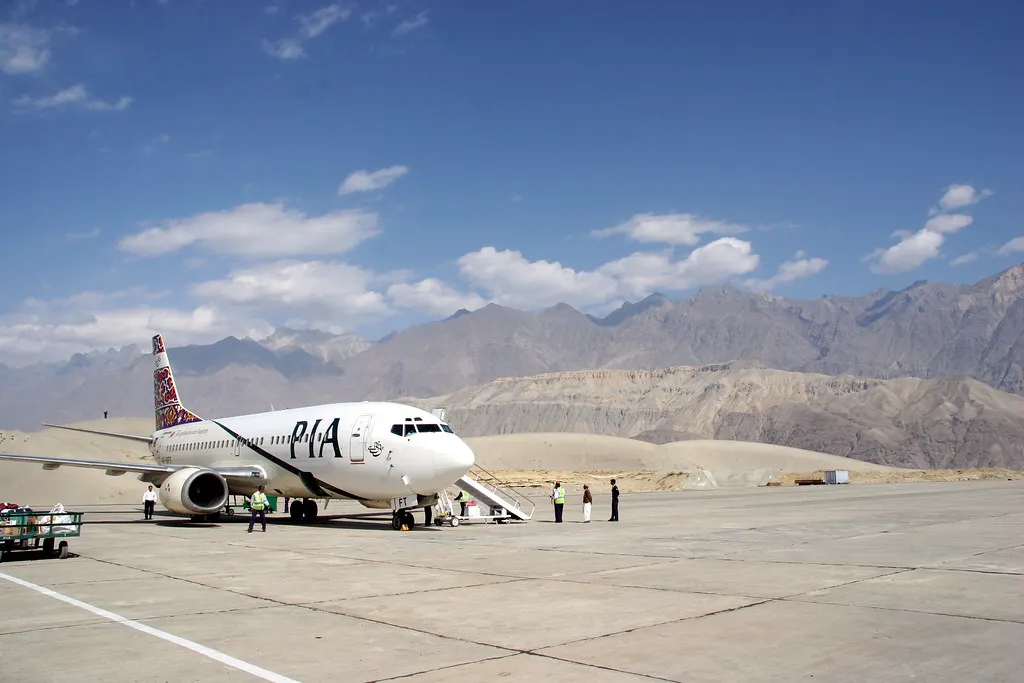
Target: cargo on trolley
[[23, 528]]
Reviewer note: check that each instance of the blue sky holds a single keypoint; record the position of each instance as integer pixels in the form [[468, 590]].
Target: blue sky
[[208, 168]]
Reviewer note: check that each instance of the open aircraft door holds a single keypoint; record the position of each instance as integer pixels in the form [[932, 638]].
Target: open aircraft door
[[357, 442]]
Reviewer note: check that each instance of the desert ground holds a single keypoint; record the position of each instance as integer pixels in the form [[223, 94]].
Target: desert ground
[[528, 461]]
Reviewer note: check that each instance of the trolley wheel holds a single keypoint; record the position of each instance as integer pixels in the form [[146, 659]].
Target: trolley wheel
[[396, 522], [1, 554], [229, 511], [48, 546], [455, 521], [62, 550]]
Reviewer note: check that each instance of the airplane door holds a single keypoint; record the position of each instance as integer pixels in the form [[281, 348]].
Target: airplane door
[[357, 442]]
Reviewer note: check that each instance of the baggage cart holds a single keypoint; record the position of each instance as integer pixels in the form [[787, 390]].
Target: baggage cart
[[26, 529]]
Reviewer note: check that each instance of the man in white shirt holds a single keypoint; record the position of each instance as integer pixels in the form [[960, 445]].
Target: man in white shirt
[[149, 500]]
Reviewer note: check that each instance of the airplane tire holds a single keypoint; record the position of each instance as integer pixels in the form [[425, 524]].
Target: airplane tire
[[396, 522], [309, 511], [409, 520], [295, 510]]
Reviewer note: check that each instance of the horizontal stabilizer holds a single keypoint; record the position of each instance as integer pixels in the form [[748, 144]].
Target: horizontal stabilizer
[[132, 437]]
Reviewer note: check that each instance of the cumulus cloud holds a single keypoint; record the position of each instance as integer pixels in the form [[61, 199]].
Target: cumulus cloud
[[671, 228], [959, 196], [367, 181], [1013, 246], [411, 24], [789, 271], [53, 330], [432, 296], [510, 279], [23, 49], [315, 291], [914, 249], [259, 230], [964, 259], [75, 95], [310, 26]]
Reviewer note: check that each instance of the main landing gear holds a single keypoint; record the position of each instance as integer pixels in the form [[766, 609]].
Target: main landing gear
[[303, 511], [402, 517]]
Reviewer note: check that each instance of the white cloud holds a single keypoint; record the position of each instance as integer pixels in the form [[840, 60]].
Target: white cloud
[[914, 249], [259, 230], [909, 253], [1014, 245], [948, 223], [800, 267], [411, 24], [958, 196], [284, 49], [965, 259], [53, 330], [672, 228], [366, 181], [77, 95], [23, 49], [432, 296], [315, 291], [511, 280], [317, 22], [310, 26]]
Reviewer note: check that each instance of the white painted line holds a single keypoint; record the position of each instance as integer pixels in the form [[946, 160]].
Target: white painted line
[[195, 647]]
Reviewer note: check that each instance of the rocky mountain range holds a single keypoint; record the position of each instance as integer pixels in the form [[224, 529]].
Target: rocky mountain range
[[951, 422], [925, 331]]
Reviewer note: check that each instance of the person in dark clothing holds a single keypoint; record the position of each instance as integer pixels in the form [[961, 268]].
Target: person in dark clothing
[[615, 503]]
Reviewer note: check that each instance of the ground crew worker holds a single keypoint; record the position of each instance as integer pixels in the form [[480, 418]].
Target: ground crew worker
[[588, 502], [615, 503], [258, 506], [558, 497], [149, 500], [463, 499]]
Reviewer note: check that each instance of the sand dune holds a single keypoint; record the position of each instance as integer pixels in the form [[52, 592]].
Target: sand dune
[[529, 460]]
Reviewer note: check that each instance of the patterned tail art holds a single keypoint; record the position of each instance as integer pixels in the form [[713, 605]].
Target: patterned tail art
[[169, 411]]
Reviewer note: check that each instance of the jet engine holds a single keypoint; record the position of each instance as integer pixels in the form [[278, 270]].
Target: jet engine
[[194, 490]]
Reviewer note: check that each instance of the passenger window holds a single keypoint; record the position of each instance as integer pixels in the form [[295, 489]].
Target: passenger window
[[396, 430]]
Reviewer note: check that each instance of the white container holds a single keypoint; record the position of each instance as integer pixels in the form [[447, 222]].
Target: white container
[[837, 477]]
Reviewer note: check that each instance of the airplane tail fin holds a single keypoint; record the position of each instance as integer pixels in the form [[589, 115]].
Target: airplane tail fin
[[169, 411]]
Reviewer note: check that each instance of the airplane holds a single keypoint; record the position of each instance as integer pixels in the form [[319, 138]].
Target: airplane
[[384, 455]]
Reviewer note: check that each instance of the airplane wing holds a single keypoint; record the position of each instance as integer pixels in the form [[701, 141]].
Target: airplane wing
[[111, 467], [114, 469], [116, 435]]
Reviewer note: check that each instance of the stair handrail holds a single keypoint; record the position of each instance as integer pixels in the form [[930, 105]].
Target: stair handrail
[[503, 490]]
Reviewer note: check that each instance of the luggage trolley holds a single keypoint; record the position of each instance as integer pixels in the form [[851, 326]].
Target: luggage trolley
[[26, 529]]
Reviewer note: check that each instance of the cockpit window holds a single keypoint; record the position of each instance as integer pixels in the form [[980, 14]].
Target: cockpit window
[[396, 430], [447, 429], [428, 427], [410, 429]]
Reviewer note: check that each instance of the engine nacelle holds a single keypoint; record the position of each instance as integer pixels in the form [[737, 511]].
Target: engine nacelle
[[194, 490]]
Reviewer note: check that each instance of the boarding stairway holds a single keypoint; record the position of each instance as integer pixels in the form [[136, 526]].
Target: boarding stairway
[[502, 498]]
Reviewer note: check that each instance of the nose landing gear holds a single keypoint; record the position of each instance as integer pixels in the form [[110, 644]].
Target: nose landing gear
[[402, 517]]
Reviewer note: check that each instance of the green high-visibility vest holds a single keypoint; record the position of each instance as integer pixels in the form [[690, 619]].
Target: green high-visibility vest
[[258, 501], [559, 495], [463, 497]]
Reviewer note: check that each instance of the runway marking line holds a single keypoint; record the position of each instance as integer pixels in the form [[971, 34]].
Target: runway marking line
[[170, 637]]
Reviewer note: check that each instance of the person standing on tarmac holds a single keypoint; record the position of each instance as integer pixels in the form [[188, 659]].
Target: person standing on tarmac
[[463, 500], [588, 502], [615, 503], [558, 498], [149, 501], [258, 506]]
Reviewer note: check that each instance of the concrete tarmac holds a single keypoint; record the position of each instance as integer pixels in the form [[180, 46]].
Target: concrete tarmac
[[831, 583]]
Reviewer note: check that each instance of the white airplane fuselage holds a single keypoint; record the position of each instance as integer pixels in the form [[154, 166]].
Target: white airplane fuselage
[[339, 450]]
